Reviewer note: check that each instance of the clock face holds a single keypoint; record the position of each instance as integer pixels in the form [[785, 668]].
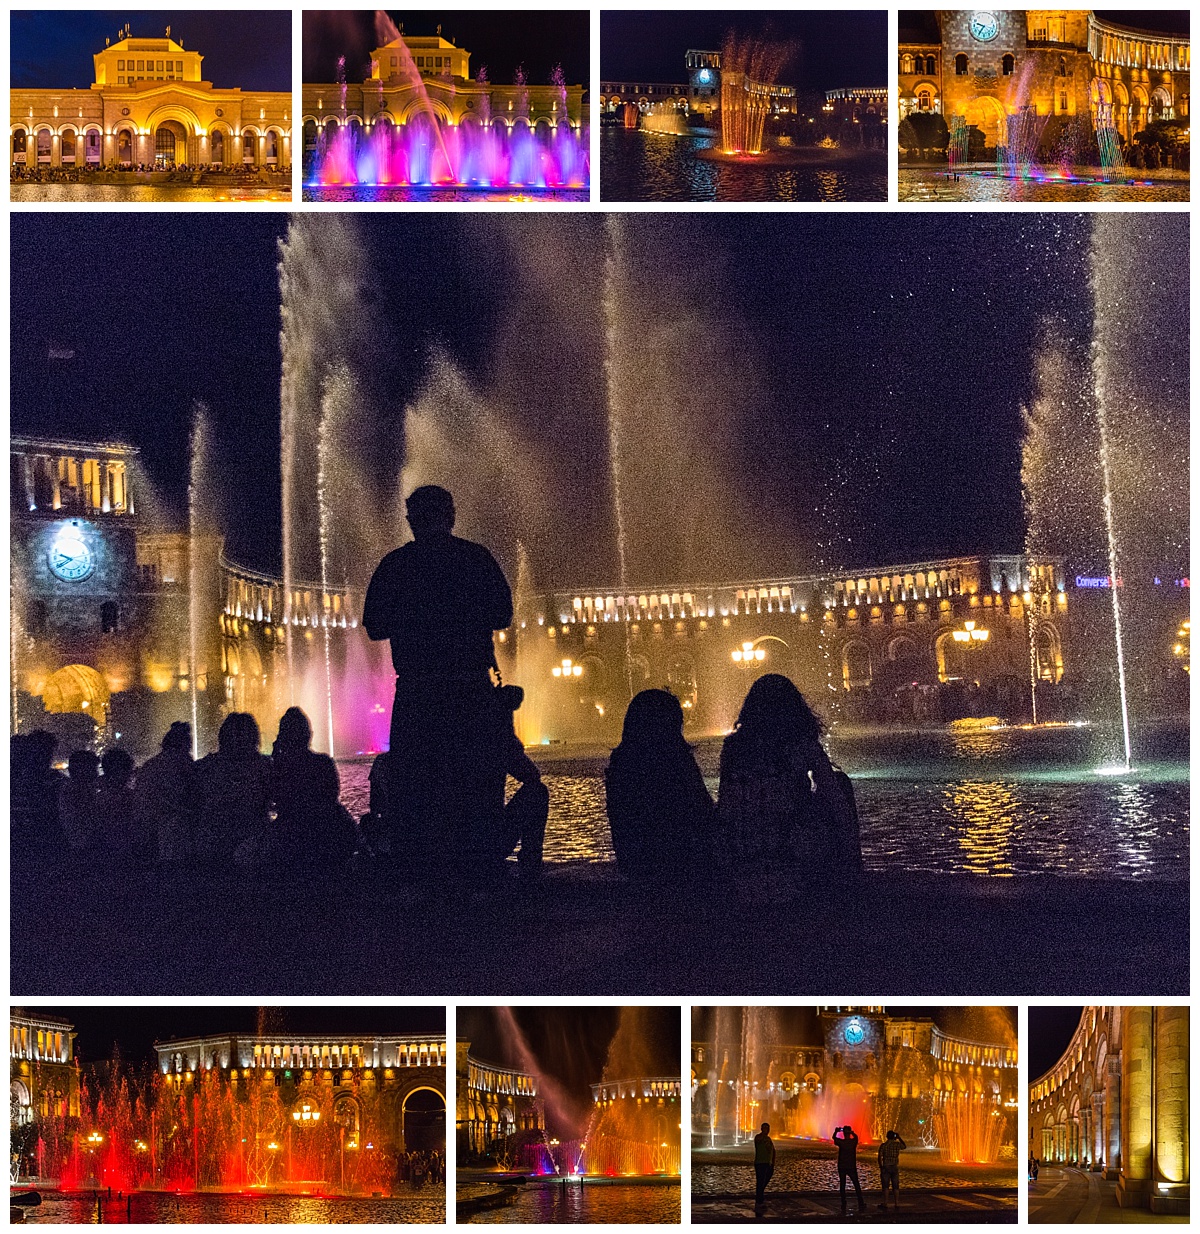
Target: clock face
[[853, 1033], [984, 26], [704, 77], [70, 559]]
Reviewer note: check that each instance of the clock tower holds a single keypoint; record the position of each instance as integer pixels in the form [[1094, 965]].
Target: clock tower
[[854, 1043]]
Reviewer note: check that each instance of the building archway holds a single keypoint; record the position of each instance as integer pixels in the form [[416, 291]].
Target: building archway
[[77, 688], [170, 144], [423, 1120], [987, 115]]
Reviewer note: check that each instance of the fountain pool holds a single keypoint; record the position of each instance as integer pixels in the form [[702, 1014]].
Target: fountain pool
[[1005, 803]]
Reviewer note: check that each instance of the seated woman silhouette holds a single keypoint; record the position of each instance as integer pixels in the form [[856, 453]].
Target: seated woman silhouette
[[783, 812], [659, 812], [309, 816], [233, 787]]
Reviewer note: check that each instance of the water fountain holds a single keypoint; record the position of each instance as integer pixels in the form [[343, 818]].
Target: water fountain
[[664, 118], [754, 1075], [479, 154], [211, 1130], [749, 68]]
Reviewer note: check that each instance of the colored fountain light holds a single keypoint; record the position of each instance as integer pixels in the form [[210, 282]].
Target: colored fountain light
[[412, 133], [749, 69]]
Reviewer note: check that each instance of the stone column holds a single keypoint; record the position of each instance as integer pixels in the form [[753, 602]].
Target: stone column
[[1112, 1113], [1171, 1138], [55, 489], [1099, 1148], [1137, 1108]]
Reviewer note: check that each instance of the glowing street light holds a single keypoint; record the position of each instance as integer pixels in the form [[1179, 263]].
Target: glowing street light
[[567, 669], [969, 634], [748, 654]]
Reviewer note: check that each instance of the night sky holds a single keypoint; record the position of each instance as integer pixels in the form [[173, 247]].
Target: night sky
[[54, 50], [500, 40], [134, 1030], [831, 49], [1050, 1032], [570, 1044], [848, 387]]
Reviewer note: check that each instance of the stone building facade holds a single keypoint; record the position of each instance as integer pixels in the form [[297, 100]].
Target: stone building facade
[[986, 66], [43, 1071], [1117, 1103], [101, 597], [497, 1108], [896, 1071], [850, 639], [149, 106], [391, 1088]]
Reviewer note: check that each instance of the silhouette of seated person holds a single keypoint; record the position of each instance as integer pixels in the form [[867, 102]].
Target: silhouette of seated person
[[114, 805], [78, 809], [659, 811], [309, 815], [438, 600], [523, 822], [233, 785], [784, 813], [164, 799], [34, 790]]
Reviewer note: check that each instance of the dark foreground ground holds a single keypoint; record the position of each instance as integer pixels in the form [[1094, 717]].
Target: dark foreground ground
[[1065, 1196], [310, 931], [953, 1204]]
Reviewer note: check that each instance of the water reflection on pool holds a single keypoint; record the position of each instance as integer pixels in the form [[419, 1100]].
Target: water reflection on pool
[[930, 184], [426, 1206], [1007, 802], [591, 1203]]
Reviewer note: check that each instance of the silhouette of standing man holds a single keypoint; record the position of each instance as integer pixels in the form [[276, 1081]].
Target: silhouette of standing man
[[764, 1163], [438, 599], [847, 1162]]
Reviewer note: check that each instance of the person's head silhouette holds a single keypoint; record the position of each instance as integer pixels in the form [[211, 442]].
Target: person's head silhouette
[[430, 511], [848, 1129], [891, 1135], [765, 1128]]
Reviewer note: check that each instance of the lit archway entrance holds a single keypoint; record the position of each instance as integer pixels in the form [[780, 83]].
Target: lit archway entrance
[[987, 115], [170, 144], [77, 688], [423, 1120]]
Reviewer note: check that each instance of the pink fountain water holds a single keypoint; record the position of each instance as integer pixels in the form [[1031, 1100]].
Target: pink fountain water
[[426, 147]]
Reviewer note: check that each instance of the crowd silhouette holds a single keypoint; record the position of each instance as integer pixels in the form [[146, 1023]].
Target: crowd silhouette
[[440, 803]]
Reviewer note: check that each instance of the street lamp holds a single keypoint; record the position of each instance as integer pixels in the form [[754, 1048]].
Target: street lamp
[[567, 669], [969, 634], [748, 655]]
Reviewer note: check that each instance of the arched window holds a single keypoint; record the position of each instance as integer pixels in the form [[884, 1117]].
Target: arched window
[[217, 147], [1062, 66], [43, 146], [906, 63], [164, 145], [272, 146], [931, 64], [1006, 65], [68, 146], [20, 142], [108, 617], [960, 65]]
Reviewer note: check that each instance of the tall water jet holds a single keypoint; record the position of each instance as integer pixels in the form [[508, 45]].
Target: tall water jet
[[749, 68], [198, 447], [616, 397], [339, 464]]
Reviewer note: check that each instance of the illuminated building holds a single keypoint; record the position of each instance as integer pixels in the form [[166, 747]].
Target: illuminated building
[[1117, 1103], [415, 78], [860, 636], [149, 106], [862, 1063], [1060, 63], [859, 105], [100, 594], [700, 96], [43, 1072], [495, 1104], [384, 1091]]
